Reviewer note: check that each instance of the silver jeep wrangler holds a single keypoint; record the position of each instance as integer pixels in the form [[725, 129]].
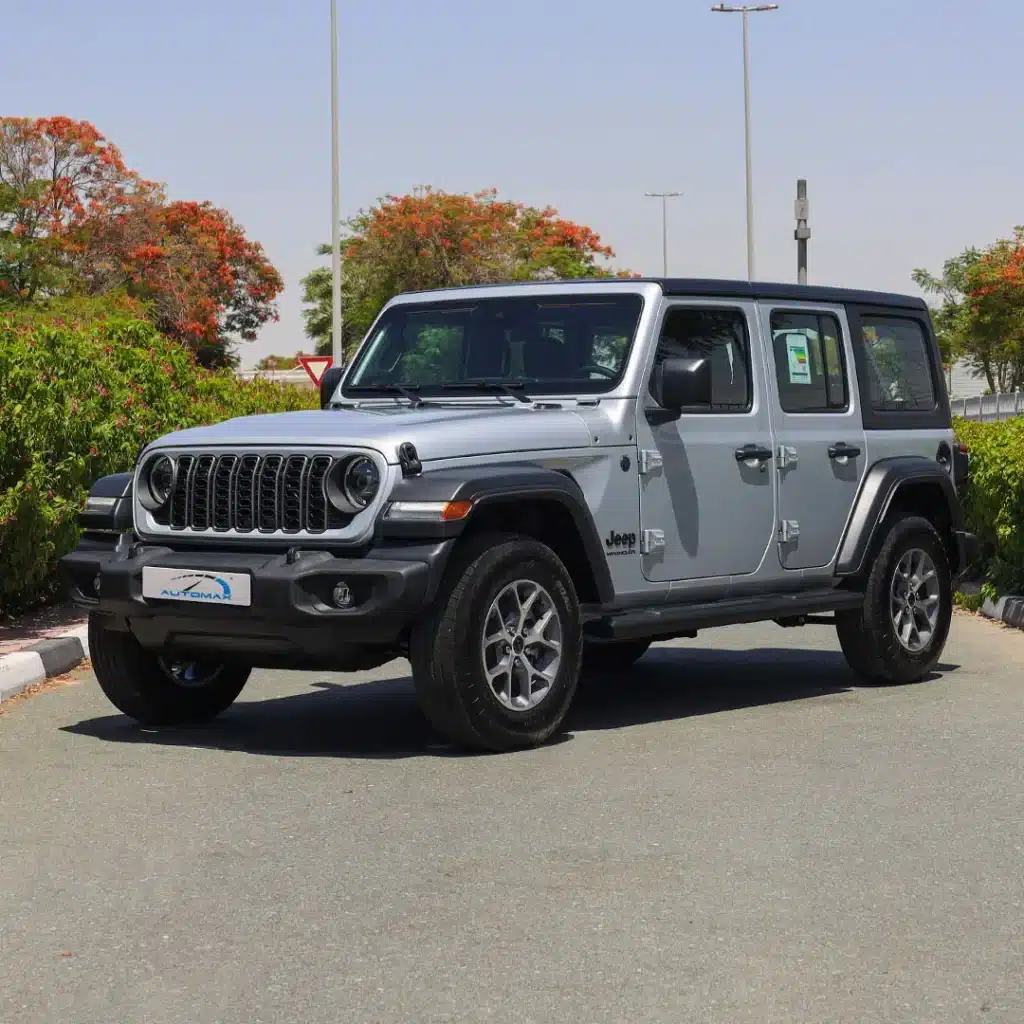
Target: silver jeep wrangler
[[508, 483]]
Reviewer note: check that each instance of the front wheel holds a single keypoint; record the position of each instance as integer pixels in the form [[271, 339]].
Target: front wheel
[[155, 690], [898, 635], [496, 666]]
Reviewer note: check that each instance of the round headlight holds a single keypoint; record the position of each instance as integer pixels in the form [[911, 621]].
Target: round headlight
[[158, 483], [361, 481]]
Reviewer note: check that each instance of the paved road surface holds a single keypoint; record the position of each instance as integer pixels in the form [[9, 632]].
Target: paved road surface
[[736, 835]]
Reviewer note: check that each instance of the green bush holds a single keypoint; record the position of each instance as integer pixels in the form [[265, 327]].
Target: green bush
[[994, 503], [78, 400]]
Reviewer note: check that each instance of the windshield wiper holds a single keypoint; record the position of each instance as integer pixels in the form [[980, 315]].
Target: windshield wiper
[[490, 385], [405, 390]]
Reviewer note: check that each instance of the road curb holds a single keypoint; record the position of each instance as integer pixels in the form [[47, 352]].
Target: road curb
[[1008, 609], [43, 660]]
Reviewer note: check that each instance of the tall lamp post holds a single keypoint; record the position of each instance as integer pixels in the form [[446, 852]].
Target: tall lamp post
[[336, 346], [746, 10], [664, 197]]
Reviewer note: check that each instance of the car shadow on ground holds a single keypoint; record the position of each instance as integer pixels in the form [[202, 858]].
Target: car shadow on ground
[[379, 719]]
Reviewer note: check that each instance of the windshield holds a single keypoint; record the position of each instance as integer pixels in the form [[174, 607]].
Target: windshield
[[558, 344]]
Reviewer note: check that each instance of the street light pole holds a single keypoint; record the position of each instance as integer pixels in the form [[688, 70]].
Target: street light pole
[[746, 11], [336, 346], [664, 197]]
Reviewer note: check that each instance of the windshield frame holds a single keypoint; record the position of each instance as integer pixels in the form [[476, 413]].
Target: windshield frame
[[353, 389]]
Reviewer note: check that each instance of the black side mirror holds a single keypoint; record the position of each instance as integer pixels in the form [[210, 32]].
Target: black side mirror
[[329, 384], [682, 383]]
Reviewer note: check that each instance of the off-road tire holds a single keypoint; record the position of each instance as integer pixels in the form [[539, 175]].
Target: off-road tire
[[610, 657], [867, 635], [445, 648], [136, 682]]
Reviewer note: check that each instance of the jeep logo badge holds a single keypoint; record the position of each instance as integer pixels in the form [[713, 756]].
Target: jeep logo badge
[[620, 543]]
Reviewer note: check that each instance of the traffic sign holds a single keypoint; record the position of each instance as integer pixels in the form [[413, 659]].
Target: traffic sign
[[316, 366]]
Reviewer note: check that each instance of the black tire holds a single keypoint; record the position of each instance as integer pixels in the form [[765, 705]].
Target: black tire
[[446, 648], [868, 636], [610, 657], [142, 686]]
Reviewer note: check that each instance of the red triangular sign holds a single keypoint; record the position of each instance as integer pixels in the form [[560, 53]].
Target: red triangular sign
[[316, 366]]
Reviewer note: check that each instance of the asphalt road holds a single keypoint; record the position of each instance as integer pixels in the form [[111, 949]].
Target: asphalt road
[[733, 832]]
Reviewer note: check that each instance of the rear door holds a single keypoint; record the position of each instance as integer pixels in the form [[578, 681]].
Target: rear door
[[822, 454]]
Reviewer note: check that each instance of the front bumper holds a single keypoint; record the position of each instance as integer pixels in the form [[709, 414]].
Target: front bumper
[[291, 621]]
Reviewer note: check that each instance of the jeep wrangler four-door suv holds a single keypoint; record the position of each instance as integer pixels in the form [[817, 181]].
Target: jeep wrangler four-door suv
[[508, 483]]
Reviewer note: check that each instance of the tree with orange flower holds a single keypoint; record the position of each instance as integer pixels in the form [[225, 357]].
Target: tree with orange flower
[[74, 220], [982, 313], [439, 239]]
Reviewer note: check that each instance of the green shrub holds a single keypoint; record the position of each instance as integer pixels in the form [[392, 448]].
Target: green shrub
[[78, 400], [994, 502]]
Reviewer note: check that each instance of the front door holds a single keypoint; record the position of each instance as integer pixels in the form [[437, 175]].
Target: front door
[[707, 502], [822, 449]]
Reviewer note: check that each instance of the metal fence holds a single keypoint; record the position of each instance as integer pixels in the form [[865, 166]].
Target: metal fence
[[990, 408], [297, 378]]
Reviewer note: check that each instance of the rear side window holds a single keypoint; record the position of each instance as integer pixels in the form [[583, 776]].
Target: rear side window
[[899, 375], [809, 362]]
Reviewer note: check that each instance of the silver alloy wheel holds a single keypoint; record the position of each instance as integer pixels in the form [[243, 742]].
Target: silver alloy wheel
[[915, 600], [189, 674], [521, 645]]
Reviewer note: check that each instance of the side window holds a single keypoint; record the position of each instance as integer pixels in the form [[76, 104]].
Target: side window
[[899, 371], [721, 336], [809, 366]]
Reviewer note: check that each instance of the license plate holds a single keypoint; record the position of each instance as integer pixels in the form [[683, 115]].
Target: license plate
[[197, 586]]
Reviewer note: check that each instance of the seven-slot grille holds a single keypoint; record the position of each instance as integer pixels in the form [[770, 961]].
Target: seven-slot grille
[[253, 494]]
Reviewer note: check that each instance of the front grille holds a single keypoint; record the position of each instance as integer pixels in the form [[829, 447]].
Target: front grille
[[269, 493]]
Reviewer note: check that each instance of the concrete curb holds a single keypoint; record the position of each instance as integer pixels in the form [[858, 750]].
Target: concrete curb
[[1008, 609], [43, 660]]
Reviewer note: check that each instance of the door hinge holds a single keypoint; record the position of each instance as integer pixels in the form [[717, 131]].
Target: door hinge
[[650, 461], [652, 541], [789, 530], [786, 456]]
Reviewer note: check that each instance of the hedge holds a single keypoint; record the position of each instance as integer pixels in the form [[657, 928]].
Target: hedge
[[994, 500], [78, 400]]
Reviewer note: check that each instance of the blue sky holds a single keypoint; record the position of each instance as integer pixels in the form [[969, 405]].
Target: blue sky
[[903, 115]]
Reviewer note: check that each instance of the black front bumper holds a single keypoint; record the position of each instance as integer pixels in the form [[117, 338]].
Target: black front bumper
[[291, 621]]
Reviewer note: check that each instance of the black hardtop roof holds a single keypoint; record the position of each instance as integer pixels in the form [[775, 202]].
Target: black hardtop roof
[[712, 288]]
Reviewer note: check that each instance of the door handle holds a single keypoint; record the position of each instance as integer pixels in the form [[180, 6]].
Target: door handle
[[842, 450], [753, 452]]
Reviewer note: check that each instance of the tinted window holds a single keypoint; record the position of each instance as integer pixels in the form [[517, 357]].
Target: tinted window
[[720, 335], [899, 375], [563, 343], [809, 362]]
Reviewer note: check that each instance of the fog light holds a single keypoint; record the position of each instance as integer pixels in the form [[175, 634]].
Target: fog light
[[342, 596], [96, 585]]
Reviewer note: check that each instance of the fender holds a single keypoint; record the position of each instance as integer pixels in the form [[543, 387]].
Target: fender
[[489, 485], [881, 484], [108, 508]]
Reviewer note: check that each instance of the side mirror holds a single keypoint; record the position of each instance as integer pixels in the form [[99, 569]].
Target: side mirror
[[682, 383], [329, 384]]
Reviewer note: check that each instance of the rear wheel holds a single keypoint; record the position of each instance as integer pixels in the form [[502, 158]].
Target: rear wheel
[[898, 635], [155, 690], [496, 666]]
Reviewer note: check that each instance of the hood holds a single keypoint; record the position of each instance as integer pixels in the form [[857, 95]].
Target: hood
[[438, 432]]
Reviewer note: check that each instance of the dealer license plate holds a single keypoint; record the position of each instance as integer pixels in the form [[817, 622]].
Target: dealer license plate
[[197, 586]]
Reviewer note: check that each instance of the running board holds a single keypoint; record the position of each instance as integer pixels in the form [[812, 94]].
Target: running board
[[665, 621]]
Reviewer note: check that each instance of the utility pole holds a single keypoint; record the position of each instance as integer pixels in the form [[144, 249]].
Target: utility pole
[[746, 11], [664, 197], [803, 232], [336, 345]]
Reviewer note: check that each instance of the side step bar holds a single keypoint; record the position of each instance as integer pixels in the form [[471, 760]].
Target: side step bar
[[671, 620]]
